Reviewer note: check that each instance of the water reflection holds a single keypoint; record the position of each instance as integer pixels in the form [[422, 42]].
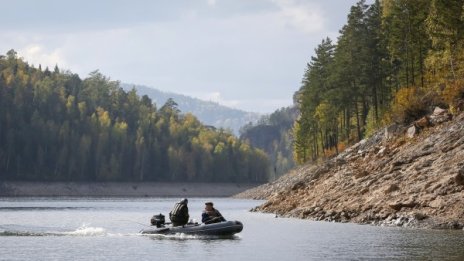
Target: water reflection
[[203, 238], [112, 231]]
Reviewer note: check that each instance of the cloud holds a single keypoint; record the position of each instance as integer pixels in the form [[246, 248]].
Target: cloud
[[36, 54], [244, 54], [308, 17]]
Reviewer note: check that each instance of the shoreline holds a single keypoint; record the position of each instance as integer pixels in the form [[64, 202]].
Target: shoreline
[[121, 189], [388, 179]]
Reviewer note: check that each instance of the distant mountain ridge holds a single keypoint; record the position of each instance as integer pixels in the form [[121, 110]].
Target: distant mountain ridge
[[208, 112]]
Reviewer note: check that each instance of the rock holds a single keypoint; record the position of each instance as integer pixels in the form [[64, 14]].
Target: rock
[[395, 206], [399, 205], [423, 164], [419, 216], [391, 188], [412, 131], [459, 177], [449, 225], [361, 174], [329, 213], [439, 116], [422, 122], [364, 191], [382, 151], [455, 225], [439, 111], [298, 185], [391, 131], [339, 161], [460, 105], [401, 221], [437, 203], [400, 161]]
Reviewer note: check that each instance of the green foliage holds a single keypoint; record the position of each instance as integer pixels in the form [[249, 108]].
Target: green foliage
[[373, 123], [55, 126], [445, 62], [407, 42], [393, 61]]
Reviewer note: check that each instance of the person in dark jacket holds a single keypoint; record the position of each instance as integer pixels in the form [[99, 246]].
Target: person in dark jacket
[[211, 215], [179, 215]]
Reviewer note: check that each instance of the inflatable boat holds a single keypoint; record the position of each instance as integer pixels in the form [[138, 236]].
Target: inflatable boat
[[225, 228]]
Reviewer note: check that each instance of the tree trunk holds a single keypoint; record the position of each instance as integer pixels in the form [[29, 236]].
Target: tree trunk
[[358, 127], [421, 65]]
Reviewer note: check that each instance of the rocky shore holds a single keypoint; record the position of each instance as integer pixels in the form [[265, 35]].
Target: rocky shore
[[409, 176], [120, 189]]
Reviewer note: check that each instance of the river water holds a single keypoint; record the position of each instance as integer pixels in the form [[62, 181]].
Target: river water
[[108, 229]]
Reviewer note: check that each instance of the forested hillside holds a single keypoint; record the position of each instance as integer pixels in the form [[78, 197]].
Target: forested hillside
[[393, 62], [208, 112], [273, 134], [56, 126]]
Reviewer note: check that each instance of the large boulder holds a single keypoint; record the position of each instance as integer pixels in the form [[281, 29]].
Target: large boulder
[[392, 131], [422, 122], [412, 131], [459, 177], [439, 116], [391, 188]]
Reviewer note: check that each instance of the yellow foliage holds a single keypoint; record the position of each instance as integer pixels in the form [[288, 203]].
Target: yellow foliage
[[453, 95], [103, 117], [219, 148], [120, 128], [411, 103], [70, 103]]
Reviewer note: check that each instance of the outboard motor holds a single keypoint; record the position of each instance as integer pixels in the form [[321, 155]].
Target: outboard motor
[[158, 220]]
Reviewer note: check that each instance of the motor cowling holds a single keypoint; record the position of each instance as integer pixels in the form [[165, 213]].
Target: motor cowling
[[158, 220]]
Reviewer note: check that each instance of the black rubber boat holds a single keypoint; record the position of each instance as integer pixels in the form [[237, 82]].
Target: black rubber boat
[[225, 228]]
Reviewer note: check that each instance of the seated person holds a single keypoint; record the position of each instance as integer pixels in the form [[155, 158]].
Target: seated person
[[179, 215], [211, 215]]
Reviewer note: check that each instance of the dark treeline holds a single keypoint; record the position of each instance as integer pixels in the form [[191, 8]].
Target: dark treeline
[[55, 126], [393, 61]]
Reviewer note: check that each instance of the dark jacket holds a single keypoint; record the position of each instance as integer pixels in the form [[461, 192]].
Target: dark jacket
[[213, 216], [179, 215]]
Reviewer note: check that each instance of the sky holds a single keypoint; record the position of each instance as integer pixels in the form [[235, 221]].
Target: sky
[[245, 54]]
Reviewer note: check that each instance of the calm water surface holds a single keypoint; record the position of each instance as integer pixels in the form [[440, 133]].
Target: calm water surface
[[108, 229]]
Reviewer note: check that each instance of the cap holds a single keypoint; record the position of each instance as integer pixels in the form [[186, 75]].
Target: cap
[[184, 200], [209, 203]]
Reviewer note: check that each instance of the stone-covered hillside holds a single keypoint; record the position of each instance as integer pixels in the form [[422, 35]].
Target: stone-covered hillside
[[400, 176]]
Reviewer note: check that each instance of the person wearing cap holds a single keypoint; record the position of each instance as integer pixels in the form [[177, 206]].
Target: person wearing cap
[[179, 215], [211, 215]]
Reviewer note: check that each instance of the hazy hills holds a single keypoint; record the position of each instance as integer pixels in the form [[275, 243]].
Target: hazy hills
[[209, 113]]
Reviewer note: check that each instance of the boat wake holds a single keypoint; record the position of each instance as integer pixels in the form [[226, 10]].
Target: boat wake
[[17, 230], [87, 231]]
